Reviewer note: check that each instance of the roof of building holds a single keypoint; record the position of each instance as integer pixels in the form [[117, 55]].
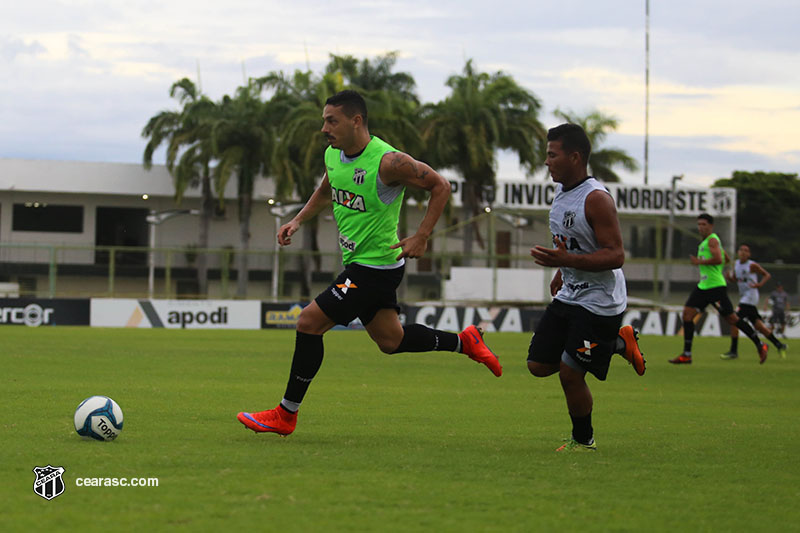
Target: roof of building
[[99, 178]]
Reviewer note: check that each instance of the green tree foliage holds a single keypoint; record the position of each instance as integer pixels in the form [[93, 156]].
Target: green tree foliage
[[393, 106], [483, 113], [603, 159], [186, 134], [767, 204], [375, 75], [297, 165], [243, 139], [271, 128]]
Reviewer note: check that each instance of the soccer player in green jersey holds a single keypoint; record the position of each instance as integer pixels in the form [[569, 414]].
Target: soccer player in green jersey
[[364, 181], [711, 289]]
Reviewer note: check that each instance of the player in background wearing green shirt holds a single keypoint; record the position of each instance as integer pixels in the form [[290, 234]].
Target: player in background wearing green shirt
[[711, 289], [364, 180]]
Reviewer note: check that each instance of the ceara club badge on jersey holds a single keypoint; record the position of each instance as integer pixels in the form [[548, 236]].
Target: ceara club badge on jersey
[[569, 219], [48, 483], [358, 176]]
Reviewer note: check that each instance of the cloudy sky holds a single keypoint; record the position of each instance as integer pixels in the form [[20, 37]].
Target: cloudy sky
[[80, 78]]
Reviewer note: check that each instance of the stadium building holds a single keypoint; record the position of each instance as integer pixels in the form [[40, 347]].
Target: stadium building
[[81, 229]]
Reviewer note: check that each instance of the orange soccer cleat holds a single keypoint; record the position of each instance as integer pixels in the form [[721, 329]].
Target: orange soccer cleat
[[277, 420], [762, 353], [473, 346], [682, 360], [632, 353]]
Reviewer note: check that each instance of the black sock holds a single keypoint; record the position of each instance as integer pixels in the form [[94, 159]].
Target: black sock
[[774, 340], [734, 344], [419, 338], [688, 334], [308, 352], [749, 331], [582, 430]]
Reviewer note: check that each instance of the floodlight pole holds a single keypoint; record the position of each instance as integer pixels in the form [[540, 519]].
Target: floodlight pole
[[647, 91], [279, 211], [154, 219], [151, 257]]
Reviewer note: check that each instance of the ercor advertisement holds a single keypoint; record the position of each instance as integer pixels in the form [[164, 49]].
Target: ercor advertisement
[[43, 312], [175, 314]]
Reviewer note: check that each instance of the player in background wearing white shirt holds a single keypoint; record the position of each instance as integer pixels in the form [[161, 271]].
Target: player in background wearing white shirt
[[746, 274]]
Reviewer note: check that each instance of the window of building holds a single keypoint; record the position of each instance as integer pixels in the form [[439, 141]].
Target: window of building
[[124, 227], [36, 216]]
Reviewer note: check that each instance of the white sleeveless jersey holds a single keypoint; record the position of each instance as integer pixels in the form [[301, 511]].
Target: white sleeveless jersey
[[747, 294], [602, 293]]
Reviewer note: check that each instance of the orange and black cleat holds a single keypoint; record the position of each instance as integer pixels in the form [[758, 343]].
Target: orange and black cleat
[[762, 353], [682, 360], [632, 353]]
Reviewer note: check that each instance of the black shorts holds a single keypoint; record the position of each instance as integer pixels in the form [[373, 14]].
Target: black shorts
[[750, 312], [572, 331], [361, 292], [778, 317], [718, 297]]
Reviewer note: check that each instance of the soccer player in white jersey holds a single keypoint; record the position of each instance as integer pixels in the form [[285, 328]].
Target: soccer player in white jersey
[[746, 274], [580, 329]]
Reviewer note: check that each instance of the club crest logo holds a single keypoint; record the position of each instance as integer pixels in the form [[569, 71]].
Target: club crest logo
[[358, 176], [721, 202], [48, 482], [569, 219]]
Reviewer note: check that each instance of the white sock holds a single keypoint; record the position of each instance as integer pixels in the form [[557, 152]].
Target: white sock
[[290, 406]]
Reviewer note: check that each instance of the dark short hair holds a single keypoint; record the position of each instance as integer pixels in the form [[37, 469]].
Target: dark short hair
[[705, 216], [573, 139], [351, 102]]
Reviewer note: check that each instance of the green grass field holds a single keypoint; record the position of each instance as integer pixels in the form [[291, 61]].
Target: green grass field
[[414, 442]]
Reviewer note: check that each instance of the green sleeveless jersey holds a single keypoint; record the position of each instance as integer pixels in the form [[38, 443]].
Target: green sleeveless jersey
[[367, 226], [710, 275]]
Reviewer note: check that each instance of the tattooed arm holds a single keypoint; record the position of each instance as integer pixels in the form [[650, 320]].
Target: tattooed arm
[[400, 169]]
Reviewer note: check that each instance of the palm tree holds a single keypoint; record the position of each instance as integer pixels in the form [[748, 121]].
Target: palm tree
[[298, 157], [484, 113], [393, 107], [243, 141], [189, 153], [376, 75], [601, 161], [299, 101]]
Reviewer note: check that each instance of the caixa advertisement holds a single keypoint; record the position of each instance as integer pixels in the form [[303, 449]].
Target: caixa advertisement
[[34, 312]]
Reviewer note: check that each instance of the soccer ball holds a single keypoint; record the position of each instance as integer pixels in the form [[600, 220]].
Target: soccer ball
[[98, 417]]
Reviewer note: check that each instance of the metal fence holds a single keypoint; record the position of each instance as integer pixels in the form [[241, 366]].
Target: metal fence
[[66, 271]]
